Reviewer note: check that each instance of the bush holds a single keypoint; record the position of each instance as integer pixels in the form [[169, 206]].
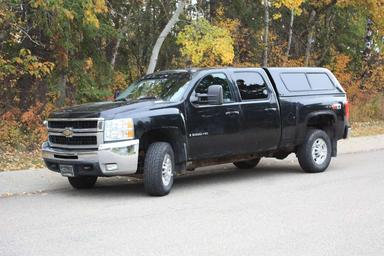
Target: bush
[[24, 131], [363, 110]]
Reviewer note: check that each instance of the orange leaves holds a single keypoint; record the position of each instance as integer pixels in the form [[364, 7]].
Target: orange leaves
[[119, 81], [24, 130]]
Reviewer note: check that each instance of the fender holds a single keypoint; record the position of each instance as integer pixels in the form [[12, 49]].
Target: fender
[[167, 124], [303, 127]]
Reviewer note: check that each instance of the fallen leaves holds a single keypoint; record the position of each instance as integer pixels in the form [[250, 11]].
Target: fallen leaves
[[12, 159], [367, 128]]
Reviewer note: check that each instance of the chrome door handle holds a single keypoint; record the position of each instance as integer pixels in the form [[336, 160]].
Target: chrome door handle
[[270, 109], [232, 113]]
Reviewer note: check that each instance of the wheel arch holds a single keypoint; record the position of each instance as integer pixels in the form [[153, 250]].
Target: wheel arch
[[324, 120], [171, 135]]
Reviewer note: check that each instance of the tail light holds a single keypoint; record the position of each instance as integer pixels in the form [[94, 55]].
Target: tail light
[[346, 110]]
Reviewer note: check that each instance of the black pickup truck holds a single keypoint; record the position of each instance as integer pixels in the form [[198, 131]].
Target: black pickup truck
[[173, 121]]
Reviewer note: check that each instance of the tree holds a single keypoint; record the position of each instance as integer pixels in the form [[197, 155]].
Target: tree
[[266, 32], [68, 24], [167, 29], [205, 44], [294, 8], [317, 10]]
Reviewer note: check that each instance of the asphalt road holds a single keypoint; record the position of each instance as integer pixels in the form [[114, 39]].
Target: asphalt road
[[275, 209]]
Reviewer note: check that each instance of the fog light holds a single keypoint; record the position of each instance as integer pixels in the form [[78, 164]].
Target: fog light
[[111, 167]]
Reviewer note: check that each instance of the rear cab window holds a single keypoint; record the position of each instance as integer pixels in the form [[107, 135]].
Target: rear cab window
[[251, 85]]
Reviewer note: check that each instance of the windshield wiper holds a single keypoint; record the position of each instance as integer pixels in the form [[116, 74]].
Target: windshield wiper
[[147, 98], [138, 99]]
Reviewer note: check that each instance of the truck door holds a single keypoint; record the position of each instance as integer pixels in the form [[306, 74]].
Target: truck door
[[213, 129], [260, 125]]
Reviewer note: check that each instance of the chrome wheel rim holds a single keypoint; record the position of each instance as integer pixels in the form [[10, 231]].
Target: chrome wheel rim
[[319, 151], [167, 171]]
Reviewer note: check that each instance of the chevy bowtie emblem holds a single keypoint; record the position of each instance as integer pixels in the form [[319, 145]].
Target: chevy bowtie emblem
[[68, 132]]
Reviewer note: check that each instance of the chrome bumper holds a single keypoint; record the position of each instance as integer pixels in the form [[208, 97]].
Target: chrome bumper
[[117, 158]]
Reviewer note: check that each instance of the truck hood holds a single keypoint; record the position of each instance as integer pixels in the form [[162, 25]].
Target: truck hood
[[106, 109]]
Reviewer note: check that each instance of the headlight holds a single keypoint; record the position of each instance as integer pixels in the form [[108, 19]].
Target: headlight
[[119, 129]]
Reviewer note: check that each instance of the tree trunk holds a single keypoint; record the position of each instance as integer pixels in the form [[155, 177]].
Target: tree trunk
[[115, 52], [311, 31], [212, 9], [62, 84], [290, 32], [160, 40], [266, 32]]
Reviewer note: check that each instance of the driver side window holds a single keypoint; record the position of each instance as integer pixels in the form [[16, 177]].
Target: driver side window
[[216, 79]]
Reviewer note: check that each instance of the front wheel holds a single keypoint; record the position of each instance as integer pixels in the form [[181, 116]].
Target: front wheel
[[314, 154], [248, 164], [82, 182], [159, 169]]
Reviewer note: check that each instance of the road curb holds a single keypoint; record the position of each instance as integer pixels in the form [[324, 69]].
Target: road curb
[[361, 144]]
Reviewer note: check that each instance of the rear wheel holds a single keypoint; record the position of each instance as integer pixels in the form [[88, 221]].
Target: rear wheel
[[159, 169], [82, 182], [249, 164], [314, 154]]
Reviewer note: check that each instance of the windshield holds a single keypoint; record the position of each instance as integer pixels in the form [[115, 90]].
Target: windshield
[[164, 87]]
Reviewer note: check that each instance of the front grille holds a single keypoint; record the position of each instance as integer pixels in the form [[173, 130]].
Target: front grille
[[78, 124], [73, 141]]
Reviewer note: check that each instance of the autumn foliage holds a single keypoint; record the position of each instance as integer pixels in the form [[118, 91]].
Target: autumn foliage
[[63, 52]]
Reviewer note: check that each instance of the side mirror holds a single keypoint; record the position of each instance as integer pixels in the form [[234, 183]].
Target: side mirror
[[213, 97]]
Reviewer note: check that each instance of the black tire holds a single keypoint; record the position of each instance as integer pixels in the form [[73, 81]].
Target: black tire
[[249, 164], [154, 183], [306, 156], [82, 182]]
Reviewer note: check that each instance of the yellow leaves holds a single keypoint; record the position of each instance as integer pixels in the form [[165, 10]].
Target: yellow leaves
[[26, 63], [294, 5], [24, 52], [38, 3], [64, 10], [92, 8], [374, 9], [276, 16], [88, 64], [18, 60], [100, 6], [69, 14], [40, 69], [205, 44], [90, 18]]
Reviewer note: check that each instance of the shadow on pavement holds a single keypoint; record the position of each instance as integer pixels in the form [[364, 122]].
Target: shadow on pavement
[[207, 176]]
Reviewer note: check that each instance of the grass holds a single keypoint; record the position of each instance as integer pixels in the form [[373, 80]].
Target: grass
[[11, 159], [367, 128]]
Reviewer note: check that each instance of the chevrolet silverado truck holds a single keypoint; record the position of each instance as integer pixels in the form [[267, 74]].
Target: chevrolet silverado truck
[[174, 121]]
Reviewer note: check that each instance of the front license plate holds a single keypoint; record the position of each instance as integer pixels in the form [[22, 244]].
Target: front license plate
[[66, 170]]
